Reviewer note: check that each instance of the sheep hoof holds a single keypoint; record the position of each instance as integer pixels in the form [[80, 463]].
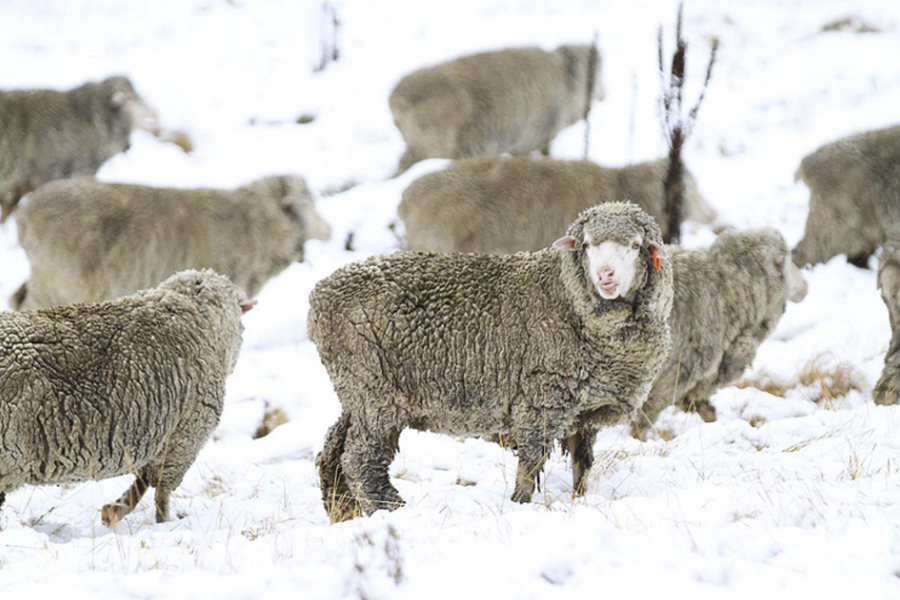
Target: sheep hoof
[[111, 514], [521, 496]]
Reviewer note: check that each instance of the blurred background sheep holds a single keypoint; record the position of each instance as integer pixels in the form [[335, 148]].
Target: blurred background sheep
[[48, 135], [728, 300], [854, 197], [132, 386], [514, 100], [90, 241], [506, 205]]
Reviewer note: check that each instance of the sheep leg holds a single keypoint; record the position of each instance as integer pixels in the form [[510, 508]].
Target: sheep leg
[[581, 448], [111, 514], [340, 504], [2, 498], [368, 452], [532, 455]]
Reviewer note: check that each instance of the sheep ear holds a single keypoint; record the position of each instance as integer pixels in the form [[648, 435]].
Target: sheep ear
[[566, 243], [657, 249], [118, 99], [247, 305]]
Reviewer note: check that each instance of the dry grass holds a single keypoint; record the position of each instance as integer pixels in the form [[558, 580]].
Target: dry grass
[[852, 25], [273, 417], [828, 381]]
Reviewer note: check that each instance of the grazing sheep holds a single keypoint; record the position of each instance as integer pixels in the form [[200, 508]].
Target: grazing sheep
[[513, 100], [502, 205], [135, 385], [854, 197], [728, 300], [889, 282], [534, 346], [47, 135], [91, 241]]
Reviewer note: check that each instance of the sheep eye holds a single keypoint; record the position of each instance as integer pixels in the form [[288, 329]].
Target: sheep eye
[[635, 245]]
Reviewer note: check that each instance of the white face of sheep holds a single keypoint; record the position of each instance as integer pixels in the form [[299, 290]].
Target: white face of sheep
[[613, 266], [795, 284]]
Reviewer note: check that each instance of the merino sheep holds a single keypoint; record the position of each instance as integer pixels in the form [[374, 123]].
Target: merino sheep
[[534, 346], [886, 389], [47, 135], [136, 385], [728, 300], [91, 241], [854, 197], [502, 205], [514, 100]]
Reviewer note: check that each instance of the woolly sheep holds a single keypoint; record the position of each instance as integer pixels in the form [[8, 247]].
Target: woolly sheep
[[514, 100], [119, 238], [136, 385], [728, 300], [854, 197], [49, 135], [505, 205], [534, 346], [889, 282]]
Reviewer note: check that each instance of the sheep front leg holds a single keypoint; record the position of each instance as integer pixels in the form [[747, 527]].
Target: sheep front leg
[[368, 453], [2, 498], [111, 514], [532, 455], [580, 446]]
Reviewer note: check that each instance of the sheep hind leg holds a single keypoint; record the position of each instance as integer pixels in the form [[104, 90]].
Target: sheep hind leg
[[340, 503], [111, 514], [2, 498], [368, 452]]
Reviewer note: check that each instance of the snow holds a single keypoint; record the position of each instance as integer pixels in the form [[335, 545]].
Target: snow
[[781, 496]]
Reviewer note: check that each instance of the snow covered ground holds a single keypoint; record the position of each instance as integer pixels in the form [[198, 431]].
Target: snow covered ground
[[784, 496]]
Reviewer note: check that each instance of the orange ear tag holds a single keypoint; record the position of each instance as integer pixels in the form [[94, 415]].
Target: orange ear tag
[[655, 256]]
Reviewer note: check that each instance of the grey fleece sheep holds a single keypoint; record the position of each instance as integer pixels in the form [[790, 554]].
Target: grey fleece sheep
[[888, 385], [47, 135], [136, 385], [514, 100], [854, 197], [534, 346], [728, 300], [506, 205], [92, 241]]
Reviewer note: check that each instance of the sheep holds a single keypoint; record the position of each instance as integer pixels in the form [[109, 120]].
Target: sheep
[[854, 197], [728, 300], [136, 385], [885, 392], [506, 205], [48, 135], [534, 346], [514, 100], [119, 238]]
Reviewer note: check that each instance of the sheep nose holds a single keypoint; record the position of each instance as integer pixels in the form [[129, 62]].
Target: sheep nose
[[605, 272]]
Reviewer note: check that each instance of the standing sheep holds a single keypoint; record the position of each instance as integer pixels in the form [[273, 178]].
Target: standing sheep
[[728, 300], [91, 241], [854, 197], [136, 385], [47, 135], [533, 346], [502, 205], [886, 389], [513, 100]]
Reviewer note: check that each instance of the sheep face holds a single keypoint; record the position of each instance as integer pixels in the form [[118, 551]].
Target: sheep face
[[123, 97], [615, 254], [795, 284]]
